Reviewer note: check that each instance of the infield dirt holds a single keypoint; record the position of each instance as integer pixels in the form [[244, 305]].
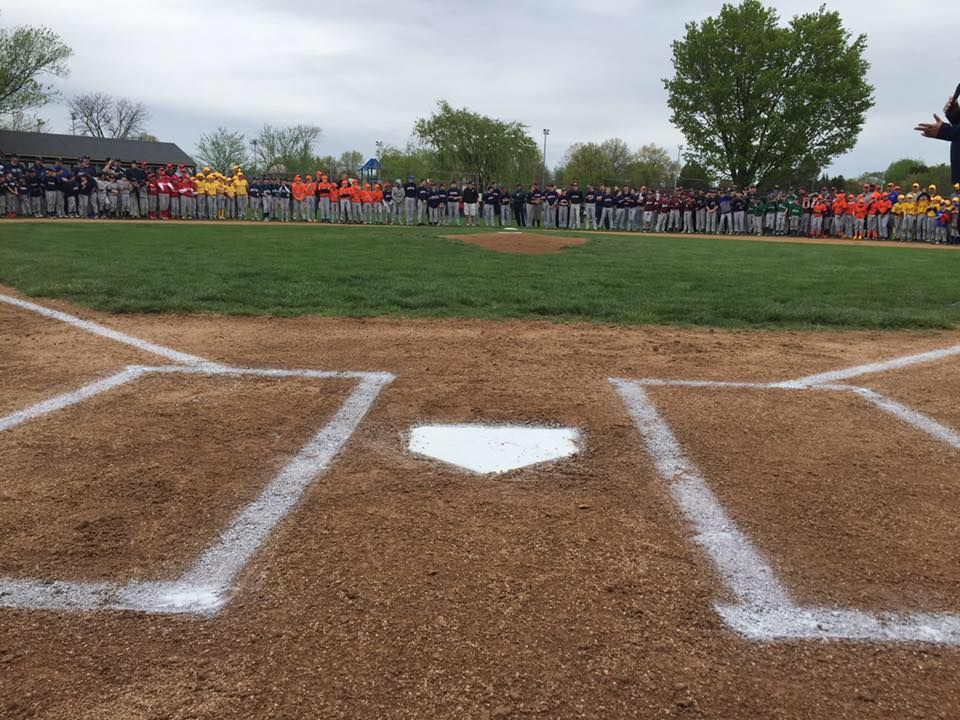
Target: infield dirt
[[402, 588], [520, 243]]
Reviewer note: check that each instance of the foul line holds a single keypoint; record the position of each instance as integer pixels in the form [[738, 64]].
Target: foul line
[[206, 588], [103, 331], [764, 610], [59, 402], [875, 367]]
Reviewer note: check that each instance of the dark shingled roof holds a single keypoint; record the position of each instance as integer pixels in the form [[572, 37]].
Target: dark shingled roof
[[70, 147]]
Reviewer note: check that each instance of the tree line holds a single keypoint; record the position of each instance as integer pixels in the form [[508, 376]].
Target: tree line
[[759, 101]]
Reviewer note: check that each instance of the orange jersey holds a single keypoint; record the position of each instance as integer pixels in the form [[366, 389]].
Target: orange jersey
[[366, 196], [334, 193], [820, 209], [324, 188], [860, 210], [884, 206], [299, 190], [378, 196], [311, 189], [839, 207]]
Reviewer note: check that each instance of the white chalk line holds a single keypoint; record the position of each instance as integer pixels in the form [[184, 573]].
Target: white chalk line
[[59, 402], [897, 363], [103, 331], [746, 573], [765, 611], [205, 588]]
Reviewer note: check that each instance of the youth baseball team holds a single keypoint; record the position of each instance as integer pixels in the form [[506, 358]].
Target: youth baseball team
[[168, 193]]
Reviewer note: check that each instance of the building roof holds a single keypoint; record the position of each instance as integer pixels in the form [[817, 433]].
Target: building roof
[[48, 145]]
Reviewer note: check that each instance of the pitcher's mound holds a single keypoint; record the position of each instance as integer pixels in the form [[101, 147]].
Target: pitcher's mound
[[520, 243]]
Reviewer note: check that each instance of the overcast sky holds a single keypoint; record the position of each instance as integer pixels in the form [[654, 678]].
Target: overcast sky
[[365, 71]]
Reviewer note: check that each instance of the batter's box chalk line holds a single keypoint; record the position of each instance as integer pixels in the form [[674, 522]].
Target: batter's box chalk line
[[764, 610], [206, 587]]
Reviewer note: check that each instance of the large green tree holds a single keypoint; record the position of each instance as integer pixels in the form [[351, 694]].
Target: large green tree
[[758, 101], [222, 149], [481, 147], [28, 55], [421, 162], [612, 162]]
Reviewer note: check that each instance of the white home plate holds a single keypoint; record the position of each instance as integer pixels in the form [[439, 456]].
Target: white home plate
[[493, 448]]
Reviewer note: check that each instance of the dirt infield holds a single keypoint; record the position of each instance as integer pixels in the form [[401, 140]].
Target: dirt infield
[[520, 243], [403, 588]]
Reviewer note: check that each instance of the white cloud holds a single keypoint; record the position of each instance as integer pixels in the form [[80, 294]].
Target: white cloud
[[364, 71]]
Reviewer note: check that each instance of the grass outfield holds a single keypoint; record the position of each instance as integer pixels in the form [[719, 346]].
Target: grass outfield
[[413, 272]]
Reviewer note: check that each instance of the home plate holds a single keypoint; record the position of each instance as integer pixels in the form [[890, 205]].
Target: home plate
[[493, 448]]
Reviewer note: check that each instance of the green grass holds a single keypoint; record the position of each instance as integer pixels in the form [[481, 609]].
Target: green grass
[[296, 270]]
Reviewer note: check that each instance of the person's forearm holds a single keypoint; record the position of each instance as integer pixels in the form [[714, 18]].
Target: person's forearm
[[949, 132]]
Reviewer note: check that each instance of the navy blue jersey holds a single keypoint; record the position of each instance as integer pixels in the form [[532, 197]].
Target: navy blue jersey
[[551, 197], [69, 187], [254, 190], [591, 197], [388, 195], [609, 200], [411, 190], [433, 199], [442, 195], [453, 194], [423, 192], [575, 196], [51, 182], [490, 198]]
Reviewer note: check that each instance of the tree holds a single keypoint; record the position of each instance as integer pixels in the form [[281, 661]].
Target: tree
[[104, 116], [482, 147], [612, 162], [652, 166], [414, 160], [350, 162], [755, 100], [27, 54], [222, 149], [696, 176], [286, 149], [21, 121]]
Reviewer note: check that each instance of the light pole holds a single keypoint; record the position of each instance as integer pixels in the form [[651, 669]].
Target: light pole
[[255, 143], [543, 171], [379, 159], [676, 182]]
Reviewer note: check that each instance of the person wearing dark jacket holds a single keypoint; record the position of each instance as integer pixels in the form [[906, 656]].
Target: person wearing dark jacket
[[520, 206], [949, 131]]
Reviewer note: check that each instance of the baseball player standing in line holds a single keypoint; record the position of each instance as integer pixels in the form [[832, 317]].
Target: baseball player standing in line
[[453, 203], [575, 196], [411, 192]]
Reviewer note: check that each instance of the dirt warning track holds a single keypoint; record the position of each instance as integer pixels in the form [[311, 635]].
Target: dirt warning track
[[397, 586]]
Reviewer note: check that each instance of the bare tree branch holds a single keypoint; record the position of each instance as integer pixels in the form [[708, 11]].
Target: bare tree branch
[[100, 115]]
